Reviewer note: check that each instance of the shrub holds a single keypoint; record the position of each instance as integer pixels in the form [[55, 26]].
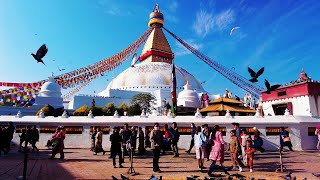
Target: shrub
[[122, 108], [81, 111], [47, 110], [110, 109], [134, 110]]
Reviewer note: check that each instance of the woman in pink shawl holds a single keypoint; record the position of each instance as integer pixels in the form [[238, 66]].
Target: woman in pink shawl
[[217, 150], [58, 140]]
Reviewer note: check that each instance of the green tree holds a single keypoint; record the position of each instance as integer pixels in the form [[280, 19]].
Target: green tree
[[122, 108], [110, 109], [81, 111], [145, 101], [134, 110], [47, 110], [96, 111]]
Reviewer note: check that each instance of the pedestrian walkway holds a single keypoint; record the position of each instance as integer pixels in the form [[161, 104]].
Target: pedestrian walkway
[[82, 164]]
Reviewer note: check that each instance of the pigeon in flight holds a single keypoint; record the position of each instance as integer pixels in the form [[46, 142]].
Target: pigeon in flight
[[61, 69], [42, 51], [270, 88], [255, 75], [233, 30], [134, 60], [114, 178], [123, 177]]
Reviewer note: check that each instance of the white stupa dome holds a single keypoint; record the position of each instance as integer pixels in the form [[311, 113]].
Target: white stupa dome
[[50, 93], [151, 76], [188, 97], [50, 89]]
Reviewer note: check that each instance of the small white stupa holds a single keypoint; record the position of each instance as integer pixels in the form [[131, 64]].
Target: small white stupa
[[90, 115], [188, 97], [143, 114], [64, 114], [287, 112], [19, 114], [41, 114], [258, 112], [50, 93], [169, 115], [198, 114], [228, 113], [116, 114]]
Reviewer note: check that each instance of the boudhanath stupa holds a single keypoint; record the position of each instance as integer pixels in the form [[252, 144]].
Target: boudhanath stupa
[[151, 75]]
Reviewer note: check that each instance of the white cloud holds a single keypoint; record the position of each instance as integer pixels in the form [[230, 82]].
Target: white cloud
[[181, 50], [204, 23], [207, 22], [113, 9]]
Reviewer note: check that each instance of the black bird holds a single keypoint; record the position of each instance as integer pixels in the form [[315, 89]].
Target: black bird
[[61, 69], [42, 51], [316, 174], [114, 178], [239, 176], [270, 88], [123, 177], [255, 75]]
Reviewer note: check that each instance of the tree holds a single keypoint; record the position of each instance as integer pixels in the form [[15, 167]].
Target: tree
[[47, 110], [145, 101], [110, 109], [134, 110], [96, 111], [122, 108], [81, 111]]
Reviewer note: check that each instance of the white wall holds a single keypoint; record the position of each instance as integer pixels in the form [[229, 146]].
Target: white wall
[[298, 127], [301, 105]]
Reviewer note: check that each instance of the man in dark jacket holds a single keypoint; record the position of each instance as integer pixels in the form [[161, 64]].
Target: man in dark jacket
[[34, 138], [126, 135], [116, 142], [156, 139], [175, 139]]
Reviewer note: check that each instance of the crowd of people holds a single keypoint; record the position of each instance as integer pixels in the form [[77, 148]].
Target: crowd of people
[[208, 142]]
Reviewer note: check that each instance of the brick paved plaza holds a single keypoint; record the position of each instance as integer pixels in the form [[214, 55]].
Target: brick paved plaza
[[82, 164]]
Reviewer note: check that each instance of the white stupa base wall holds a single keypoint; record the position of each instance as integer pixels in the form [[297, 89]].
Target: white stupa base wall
[[298, 127]]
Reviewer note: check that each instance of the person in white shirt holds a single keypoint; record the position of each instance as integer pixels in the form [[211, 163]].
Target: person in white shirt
[[317, 132], [200, 143]]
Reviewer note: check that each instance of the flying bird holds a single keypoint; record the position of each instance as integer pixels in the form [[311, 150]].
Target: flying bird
[[255, 75], [270, 88], [233, 30], [61, 69], [114, 178], [134, 60], [123, 177], [42, 51]]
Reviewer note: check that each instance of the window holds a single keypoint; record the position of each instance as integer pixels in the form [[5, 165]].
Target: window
[[274, 131], [282, 93], [311, 131]]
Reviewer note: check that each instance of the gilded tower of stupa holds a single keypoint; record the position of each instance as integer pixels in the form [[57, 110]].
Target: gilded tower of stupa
[[157, 48]]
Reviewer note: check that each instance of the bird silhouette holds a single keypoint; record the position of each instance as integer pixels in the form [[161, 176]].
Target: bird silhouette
[[123, 177], [239, 176], [255, 75], [316, 174], [134, 60], [114, 178], [61, 69], [233, 30], [42, 51], [270, 88]]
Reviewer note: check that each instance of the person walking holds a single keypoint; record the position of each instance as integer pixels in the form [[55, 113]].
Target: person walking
[[34, 138], [317, 133], [2, 141], [193, 131], [233, 148], [250, 153], [200, 144], [285, 139], [217, 150], [174, 139], [58, 140], [141, 148], [9, 135], [147, 138], [98, 146], [166, 139], [93, 138], [257, 141], [126, 135], [23, 138], [134, 133], [156, 139], [116, 143], [243, 144], [206, 132]]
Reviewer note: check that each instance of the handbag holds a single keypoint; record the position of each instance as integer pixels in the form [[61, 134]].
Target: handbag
[[286, 139]]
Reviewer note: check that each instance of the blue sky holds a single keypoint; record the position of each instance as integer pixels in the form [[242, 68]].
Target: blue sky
[[283, 36]]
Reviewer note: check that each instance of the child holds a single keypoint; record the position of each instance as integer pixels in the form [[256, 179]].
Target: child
[[250, 153], [23, 138], [233, 148], [200, 144]]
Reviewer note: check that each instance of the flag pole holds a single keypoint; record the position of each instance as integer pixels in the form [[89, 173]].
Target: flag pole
[[174, 91]]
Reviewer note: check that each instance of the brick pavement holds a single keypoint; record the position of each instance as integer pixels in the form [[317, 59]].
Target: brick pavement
[[82, 164]]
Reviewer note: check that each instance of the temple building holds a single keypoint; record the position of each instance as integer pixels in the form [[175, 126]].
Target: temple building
[[151, 75], [222, 106], [300, 98]]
